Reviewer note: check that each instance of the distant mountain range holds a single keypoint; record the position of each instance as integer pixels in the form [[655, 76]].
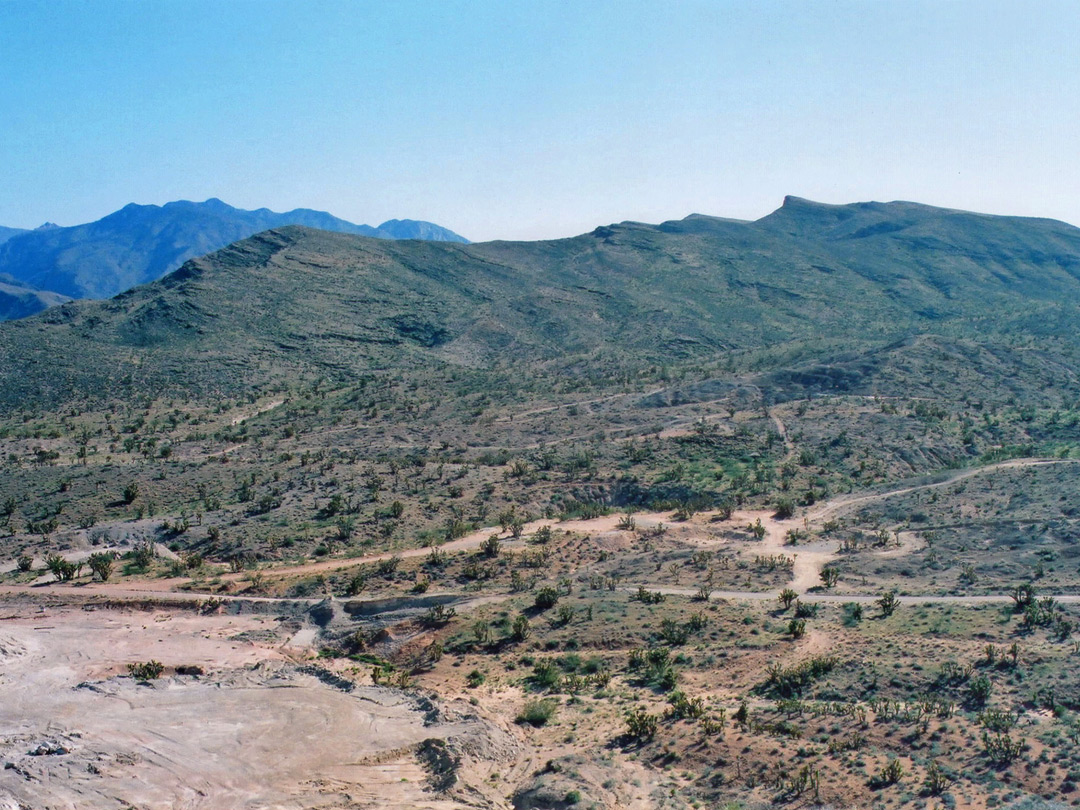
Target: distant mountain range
[[812, 283], [7, 233], [142, 243], [17, 300]]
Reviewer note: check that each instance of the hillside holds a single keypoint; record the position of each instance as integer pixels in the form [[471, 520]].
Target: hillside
[[141, 243], [704, 513], [601, 305]]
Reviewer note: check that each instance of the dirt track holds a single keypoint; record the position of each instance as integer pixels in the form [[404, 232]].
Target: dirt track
[[809, 558], [257, 730]]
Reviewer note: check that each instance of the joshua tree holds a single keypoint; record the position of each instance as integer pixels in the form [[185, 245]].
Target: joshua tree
[[520, 630], [63, 570], [1023, 595], [888, 603], [829, 576], [491, 546], [102, 564]]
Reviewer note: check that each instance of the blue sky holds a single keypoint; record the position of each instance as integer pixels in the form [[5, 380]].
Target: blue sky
[[529, 120]]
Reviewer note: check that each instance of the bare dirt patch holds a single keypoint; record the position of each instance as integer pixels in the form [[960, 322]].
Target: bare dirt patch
[[254, 730]]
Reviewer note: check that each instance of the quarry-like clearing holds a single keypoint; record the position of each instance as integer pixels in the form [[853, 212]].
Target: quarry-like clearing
[[253, 731]]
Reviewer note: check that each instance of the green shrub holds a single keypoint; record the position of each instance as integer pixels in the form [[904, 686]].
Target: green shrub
[[785, 509], [63, 570], [520, 629], [537, 712], [546, 675], [146, 671], [101, 564], [546, 598], [640, 725]]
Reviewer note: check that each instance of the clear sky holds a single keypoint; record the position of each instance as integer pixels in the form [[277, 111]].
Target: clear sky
[[523, 120]]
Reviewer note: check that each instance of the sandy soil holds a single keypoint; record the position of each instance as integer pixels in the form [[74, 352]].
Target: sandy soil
[[254, 731]]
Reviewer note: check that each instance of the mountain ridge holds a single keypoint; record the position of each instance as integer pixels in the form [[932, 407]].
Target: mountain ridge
[[141, 243], [6, 233], [314, 302]]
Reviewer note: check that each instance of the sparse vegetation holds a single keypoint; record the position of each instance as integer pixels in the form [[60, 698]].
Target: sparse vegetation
[[715, 564], [146, 670]]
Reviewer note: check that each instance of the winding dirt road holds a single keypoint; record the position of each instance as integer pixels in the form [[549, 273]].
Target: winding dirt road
[[810, 558]]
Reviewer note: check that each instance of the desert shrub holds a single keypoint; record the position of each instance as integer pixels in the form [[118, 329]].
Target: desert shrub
[[654, 668], [785, 509], [63, 570], [520, 629], [1001, 749], [537, 712], [491, 546], [685, 708], [438, 616], [792, 681], [888, 603], [143, 554], [892, 773], [997, 721], [936, 779], [546, 598], [388, 566], [1023, 595], [648, 597], [640, 725], [102, 564], [146, 670], [356, 584], [673, 633], [979, 690], [546, 675]]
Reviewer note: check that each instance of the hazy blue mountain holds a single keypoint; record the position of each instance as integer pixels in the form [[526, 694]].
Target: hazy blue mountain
[[18, 301], [416, 229], [7, 233], [141, 243]]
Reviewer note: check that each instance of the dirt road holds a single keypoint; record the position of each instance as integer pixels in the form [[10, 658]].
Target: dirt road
[[810, 558]]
